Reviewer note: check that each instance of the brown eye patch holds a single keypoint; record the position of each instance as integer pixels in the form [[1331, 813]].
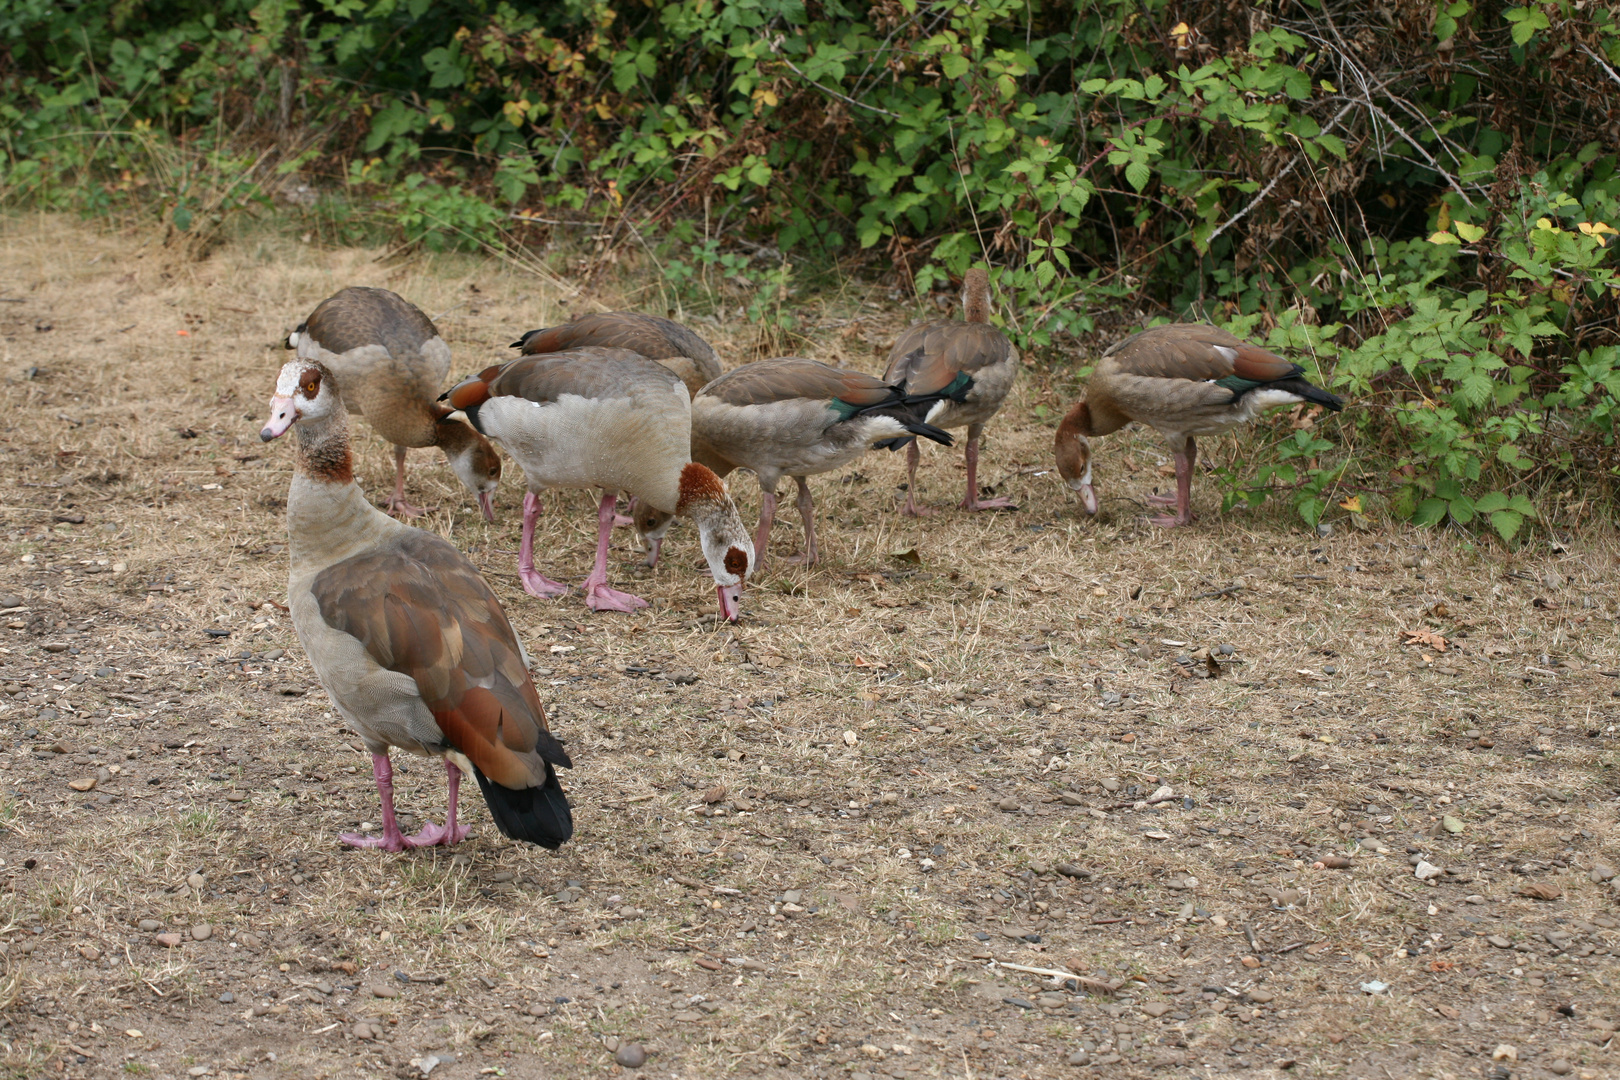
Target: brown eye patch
[[310, 382], [736, 561]]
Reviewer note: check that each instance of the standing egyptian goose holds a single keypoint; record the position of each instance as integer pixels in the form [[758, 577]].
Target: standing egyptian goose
[[1185, 379], [391, 363], [969, 362], [610, 419], [664, 340], [795, 417], [408, 641]]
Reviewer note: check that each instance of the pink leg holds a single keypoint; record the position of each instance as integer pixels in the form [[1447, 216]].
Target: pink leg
[[912, 509], [534, 584], [397, 504], [628, 518], [448, 833], [762, 535], [598, 597], [382, 770], [1161, 500], [807, 514], [971, 500], [1184, 470]]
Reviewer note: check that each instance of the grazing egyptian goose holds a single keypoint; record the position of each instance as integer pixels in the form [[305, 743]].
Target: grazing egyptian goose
[[795, 417], [968, 362], [1185, 379], [391, 363], [663, 340], [610, 419], [407, 639]]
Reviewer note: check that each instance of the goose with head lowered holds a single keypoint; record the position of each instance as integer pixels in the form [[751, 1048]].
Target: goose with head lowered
[[1185, 380], [392, 363], [971, 366], [609, 419], [407, 639], [673, 345], [790, 416]]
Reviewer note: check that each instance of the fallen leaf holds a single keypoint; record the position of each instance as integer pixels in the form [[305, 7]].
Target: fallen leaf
[[1447, 1011], [715, 794], [1541, 891], [1352, 504], [1425, 637], [909, 555]]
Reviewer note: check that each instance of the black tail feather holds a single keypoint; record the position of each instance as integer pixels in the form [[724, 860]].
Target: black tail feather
[[539, 815], [1309, 392]]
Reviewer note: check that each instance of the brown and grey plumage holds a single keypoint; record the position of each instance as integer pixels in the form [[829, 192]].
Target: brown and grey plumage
[[1184, 379], [407, 639], [391, 363], [606, 418], [790, 416], [968, 364], [664, 340]]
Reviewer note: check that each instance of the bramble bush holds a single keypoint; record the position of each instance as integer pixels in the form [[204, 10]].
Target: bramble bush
[[1419, 196]]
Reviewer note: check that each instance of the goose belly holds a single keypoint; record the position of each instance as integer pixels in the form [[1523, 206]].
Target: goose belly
[[1215, 421], [591, 443]]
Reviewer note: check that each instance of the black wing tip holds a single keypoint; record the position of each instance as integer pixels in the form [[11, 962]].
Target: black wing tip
[[929, 431], [538, 815]]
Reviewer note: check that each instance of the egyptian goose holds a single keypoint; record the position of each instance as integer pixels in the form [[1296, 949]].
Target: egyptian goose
[[610, 419], [408, 641], [663, 340], [795, 417], [1184, 379], [391, 363], [970, 363]]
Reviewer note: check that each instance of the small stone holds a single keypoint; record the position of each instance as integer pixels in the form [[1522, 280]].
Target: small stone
[[83, 783], [1069, 798], [1079, 1057], [1069, 869], [1426, 870], [1505, 1052], [630, 1055], [202, 932], [1559, 1067], [196, 881], [150, 926], [325, 987], [10, 600], [383, 990], [1111, 785], [1008, 805], [1261, 997], [850, 738], [361, 1030], [168, 941], [90, 953], [1499, 941], [1155, 1009], [1601, 872], [227, 998]]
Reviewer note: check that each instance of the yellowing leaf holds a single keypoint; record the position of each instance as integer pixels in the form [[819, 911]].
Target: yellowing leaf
[[1470, 233], [603, 110], [1443, 238], [767, 96], [1544, 223], [1443, 222], [1352, 504]]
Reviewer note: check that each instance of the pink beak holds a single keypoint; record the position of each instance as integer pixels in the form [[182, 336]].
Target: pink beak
[[283, 414], [654, 546], [1088, 498], [486, 503], [730, 601]]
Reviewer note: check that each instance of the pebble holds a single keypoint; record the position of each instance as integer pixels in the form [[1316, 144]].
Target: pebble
[[325, 987], [196, 881], [1601, 872], [104, 672], [1069, 869], [1261, 997], [1426, 870], [202, 932], [1111, 784], [10, 600], [1499, 941], [150, 926], [362, 1030], [168, 941], [1079, 1057], [383, 990], [1008, 804], [1225, 648], [1155, 1009], [1505, 1052], [1069, 798], [1559, 1067], [227, 998], [630, 1055]]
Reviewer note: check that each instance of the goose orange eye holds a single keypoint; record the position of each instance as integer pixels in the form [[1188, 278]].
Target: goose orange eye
[[311, 388]]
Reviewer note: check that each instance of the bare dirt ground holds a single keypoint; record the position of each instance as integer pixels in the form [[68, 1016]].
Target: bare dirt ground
[[1193, 773]]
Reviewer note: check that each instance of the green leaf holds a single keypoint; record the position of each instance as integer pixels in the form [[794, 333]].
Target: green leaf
[[1430, 512], [181, 218], [1506, 523], [1137, 174], [1462, 510], [1470, 233], [955, 65], [1492, 502]]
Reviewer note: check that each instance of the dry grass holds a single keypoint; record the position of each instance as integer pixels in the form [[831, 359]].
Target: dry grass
[[977, 708]]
